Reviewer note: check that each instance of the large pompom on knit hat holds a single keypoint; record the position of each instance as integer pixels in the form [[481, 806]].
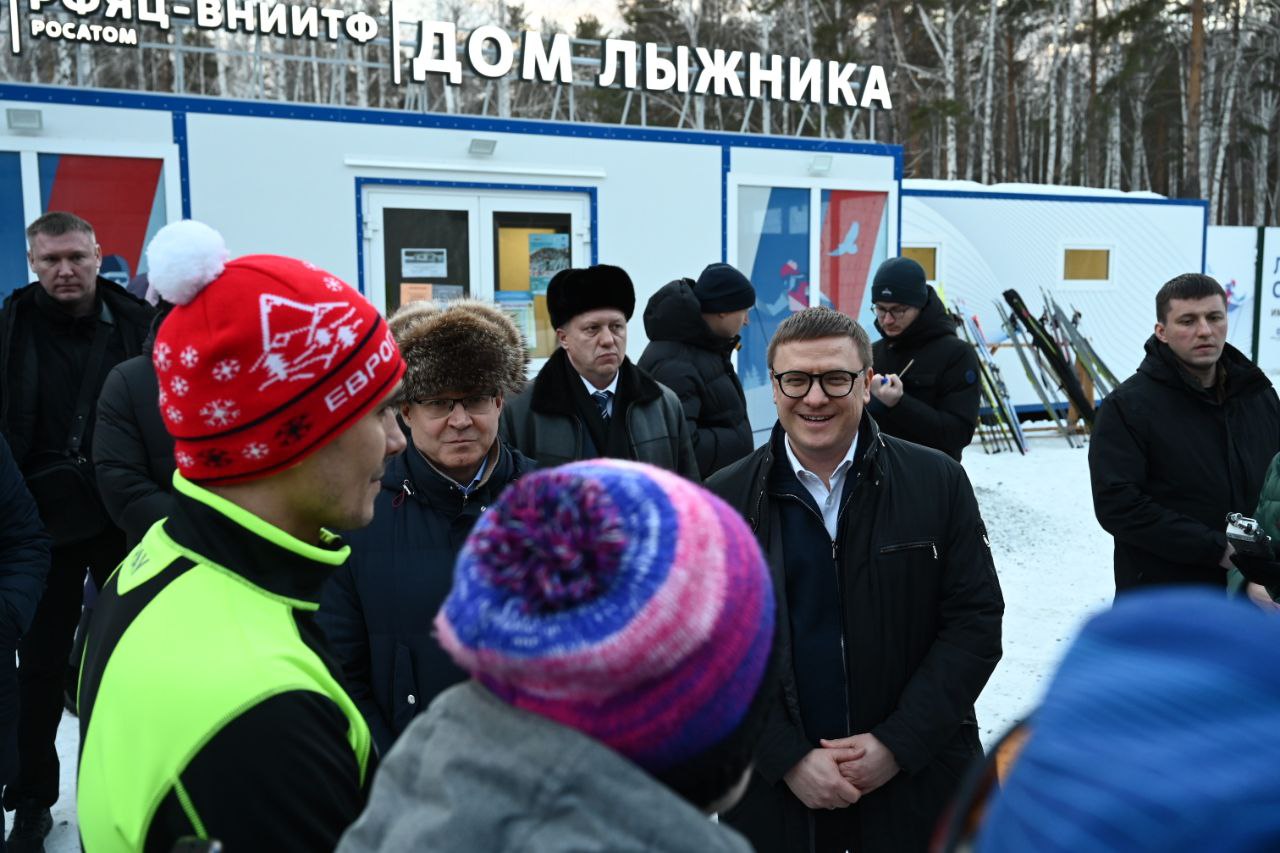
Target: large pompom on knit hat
[[462, 346], [617, 599], [1159, 732], [263, 359]]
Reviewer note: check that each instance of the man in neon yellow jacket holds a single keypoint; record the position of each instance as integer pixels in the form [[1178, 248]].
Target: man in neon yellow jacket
[[208, 705]]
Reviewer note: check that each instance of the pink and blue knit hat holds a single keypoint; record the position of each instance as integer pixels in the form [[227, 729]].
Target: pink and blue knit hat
[[617, 599]]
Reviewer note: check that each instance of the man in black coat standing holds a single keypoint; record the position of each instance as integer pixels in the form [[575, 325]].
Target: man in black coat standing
[[133, 452], [889, 609], [59, 338], [693, 329], [24, 564], [1181, 443], [935, 401]]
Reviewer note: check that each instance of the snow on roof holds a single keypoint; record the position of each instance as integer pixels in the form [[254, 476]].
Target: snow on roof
[[1019, 189]]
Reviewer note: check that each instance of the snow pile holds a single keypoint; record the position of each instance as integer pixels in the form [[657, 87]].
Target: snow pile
[[1054, 563]]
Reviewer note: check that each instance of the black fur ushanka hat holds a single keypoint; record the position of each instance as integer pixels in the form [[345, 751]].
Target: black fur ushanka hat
[[575, 291], [463, 346]]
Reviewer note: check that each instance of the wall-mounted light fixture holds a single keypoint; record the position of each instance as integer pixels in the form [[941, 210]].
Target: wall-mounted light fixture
[[482, 147], [24, 121], [820, 164]]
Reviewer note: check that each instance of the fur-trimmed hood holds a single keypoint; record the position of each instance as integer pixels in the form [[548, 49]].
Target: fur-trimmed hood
[[462, 346]]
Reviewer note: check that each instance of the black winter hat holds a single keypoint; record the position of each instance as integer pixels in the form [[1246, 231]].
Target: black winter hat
[[574, 291], [722, 288], [900, 280]]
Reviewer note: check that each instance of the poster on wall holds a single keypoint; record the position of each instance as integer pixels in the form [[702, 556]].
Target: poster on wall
[[424, 263], [1231, 256], [1269, 299], [548, 254], [519, 307]]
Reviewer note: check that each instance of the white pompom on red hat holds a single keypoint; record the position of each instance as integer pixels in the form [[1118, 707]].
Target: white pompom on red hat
[[263, 359], [183, 258]]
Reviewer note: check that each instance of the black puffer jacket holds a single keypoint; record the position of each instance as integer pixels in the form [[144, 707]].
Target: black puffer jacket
[[939, 407], [921, 609], [132, 451], [684, 355], [377, 609], [1169, 459]]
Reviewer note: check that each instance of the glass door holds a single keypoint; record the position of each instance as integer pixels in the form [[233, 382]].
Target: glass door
[[505, 246]]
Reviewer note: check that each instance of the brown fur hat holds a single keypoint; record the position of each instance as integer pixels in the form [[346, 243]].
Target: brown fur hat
[[462, 346]]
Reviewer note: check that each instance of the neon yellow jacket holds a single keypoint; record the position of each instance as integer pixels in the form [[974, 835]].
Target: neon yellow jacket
[[208, 706]]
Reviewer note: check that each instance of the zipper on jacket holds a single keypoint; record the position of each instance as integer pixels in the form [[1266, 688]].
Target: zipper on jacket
[[909, 546], [844, 657], [405, 491]]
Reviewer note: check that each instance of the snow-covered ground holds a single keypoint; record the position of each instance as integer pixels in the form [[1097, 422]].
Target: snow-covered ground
[[1053, 559]]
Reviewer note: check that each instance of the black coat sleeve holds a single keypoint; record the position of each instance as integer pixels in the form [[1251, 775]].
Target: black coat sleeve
[[282, 776], [942, 691], [120, 462], [24, 552], [1117, 468], [949, 424], [341, 618]]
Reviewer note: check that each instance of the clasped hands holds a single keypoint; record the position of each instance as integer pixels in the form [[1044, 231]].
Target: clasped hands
[[841, 771]]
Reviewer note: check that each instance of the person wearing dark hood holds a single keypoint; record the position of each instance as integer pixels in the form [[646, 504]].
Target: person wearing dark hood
[[693, 328], [59, 337], [927, 390], [463, 362], [1181, 443], [133, 454]]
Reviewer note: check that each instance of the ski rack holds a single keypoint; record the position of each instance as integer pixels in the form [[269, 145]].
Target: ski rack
[[1052, 355], [1046, 391], [1002, 430], [1086, 357]]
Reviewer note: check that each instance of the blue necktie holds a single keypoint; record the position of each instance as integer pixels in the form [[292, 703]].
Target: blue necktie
[[602, 399]]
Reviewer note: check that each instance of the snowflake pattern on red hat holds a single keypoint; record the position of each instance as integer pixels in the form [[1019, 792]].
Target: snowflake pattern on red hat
[[160, 357], [179, 386], [226, 370], [219, 413], [189, 357], [256, 450]]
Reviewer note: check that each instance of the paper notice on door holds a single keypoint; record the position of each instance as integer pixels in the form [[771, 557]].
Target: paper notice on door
[[415, 293], [424, 263], [548, 254]]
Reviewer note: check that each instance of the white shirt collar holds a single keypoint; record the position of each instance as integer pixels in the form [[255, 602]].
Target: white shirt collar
[[798, 466], [612, 387]]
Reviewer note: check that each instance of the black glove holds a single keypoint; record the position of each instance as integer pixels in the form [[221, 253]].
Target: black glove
[[1258, 570]]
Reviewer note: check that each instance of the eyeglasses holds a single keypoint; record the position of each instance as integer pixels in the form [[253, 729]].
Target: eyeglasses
[[834, 383], [442, 407], [896, 313]]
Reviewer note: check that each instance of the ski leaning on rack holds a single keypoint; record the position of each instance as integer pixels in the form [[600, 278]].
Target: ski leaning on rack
[[1103, 379], [1026, 354], [992, 370], [1053, 355], [993, 429]]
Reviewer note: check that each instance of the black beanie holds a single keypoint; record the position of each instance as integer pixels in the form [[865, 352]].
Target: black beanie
[[900, 280], [722, 288], [575, 291]]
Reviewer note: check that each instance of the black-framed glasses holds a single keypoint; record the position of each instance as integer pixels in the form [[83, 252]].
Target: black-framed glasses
[[897, 312], [442, 407], [834, 383]]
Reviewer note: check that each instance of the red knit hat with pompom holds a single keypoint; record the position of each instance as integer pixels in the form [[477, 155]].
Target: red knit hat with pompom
[[263, 360]]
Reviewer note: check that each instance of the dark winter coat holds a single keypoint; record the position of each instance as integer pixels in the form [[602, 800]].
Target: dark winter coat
[[1169, 459], [132, 451], [24, 565], [20, 380], [921, 608], [377, 610], [684, 355], [546, 424], [941, 392]]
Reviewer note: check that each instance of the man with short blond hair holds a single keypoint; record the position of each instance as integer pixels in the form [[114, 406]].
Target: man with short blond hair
[[589, 400], [888, 603], [1181, 443]]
